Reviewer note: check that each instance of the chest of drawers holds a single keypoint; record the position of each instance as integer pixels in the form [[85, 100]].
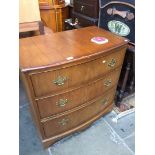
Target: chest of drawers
[[70, 80]]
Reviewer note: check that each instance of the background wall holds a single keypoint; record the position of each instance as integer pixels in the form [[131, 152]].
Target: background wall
[[68, 1], [28, 11]]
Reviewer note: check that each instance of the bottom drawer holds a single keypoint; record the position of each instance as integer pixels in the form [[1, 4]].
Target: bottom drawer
[[84, 21], [70, 121]]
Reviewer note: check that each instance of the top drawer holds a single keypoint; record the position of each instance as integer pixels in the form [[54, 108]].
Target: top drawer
[[94, 2], [86, 9], [56, 81]]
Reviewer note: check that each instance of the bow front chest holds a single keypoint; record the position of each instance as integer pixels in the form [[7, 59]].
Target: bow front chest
[[70, 81]]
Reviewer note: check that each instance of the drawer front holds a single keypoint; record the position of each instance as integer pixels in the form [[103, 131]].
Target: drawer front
[[83, 21], [53, 82], [94, 2], [86, 9], [66, 101], [74, 119]]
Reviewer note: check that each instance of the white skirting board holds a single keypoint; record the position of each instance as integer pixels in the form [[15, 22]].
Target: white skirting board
[[122, 114]]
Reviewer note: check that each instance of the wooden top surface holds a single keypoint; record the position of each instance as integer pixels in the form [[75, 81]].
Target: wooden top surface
[[51, 50]]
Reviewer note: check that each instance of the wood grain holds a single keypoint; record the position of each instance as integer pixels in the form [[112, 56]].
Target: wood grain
[[44, 52], [74, 119], [53, 14], [43, 82], [48, 106]]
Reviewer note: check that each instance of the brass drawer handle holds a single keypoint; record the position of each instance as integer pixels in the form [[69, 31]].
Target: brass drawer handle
[[82, 8], [112, 63], [107, 83], [60, 80], [63, 122], [62, 102], [104, 101]]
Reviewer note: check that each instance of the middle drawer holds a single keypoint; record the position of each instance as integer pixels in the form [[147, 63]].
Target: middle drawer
[[66, 101], [57, 81]]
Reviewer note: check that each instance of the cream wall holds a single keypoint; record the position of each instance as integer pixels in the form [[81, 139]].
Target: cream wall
[[28, 11], [67, 1]]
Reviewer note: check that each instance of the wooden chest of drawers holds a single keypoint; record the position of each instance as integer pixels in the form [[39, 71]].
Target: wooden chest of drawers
[[70, 80]]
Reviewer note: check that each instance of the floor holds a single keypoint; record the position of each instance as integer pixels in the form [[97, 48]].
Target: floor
[[103, 137]]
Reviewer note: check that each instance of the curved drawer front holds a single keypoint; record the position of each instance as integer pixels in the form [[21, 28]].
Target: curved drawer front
[[53, 82], [72, 120], [66, 101]]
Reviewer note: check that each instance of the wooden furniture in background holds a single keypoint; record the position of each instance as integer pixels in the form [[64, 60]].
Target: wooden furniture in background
[[69, 20], [119, 18], [53, 14], [52, 2], [126, 84], [70, 81], [83, 13], [31, 26], [29, 16], [86, 12]]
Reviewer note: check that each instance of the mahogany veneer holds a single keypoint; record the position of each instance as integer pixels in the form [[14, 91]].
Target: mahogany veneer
[[53, 14], [70, 80]]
